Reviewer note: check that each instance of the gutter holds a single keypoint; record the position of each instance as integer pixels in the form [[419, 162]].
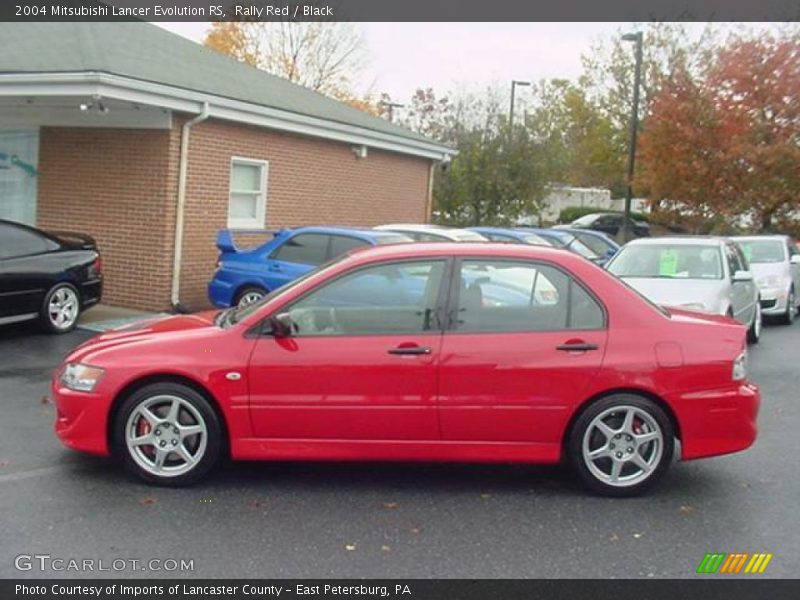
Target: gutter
[[177, 252]]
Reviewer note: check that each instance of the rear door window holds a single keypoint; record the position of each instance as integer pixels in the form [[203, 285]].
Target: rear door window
[[343, 243], [20, 241]]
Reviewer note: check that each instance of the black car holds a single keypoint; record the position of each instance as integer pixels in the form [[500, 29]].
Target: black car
[[611, 223], [51, 277]]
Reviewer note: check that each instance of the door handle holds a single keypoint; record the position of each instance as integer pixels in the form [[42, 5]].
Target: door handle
[[576, 347], [410, 350], [274, 267]]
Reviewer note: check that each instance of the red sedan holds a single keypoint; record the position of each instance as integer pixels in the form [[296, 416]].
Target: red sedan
[[447, 352]]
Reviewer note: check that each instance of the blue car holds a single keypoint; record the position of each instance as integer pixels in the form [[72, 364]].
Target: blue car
[[580, 243], [246, 276], [511, 236]]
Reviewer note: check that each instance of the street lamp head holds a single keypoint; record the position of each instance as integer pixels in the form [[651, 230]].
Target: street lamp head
[[517, 82], [632, 37]]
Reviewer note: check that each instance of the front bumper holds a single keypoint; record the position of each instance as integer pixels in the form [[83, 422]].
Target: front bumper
[[773, 302], [81, 419], [719, 421]]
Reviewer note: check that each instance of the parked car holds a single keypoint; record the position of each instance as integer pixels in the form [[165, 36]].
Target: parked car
[[510, 236], [610, 223], [599, 242], [417, 365], [51, 277], [562, 238], [245, 276], [433, 233], [699, 273], [775, 263]]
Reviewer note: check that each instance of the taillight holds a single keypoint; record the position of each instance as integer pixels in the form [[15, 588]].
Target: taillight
[[98, 265]]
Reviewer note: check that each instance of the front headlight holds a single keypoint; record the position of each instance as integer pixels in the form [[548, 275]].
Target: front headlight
[[81, 378], [740, 367]]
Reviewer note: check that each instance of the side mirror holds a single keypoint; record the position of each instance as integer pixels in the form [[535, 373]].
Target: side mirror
[[795, 259], [279, 326], [741, 276], [610, 252]]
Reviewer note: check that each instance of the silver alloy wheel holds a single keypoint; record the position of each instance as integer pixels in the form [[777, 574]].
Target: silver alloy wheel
[[166, 435], [623, 446], [791, 312], [63, 308], [250, 298]]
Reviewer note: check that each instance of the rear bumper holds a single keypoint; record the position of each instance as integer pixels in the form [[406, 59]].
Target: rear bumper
[[719, 421], [91, 292], [80, 420]]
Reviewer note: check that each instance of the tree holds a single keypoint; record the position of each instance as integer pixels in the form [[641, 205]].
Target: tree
[[725, 143], [322, 56]]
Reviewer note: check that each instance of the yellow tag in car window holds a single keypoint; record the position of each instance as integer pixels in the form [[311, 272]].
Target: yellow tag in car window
[[668, 263]]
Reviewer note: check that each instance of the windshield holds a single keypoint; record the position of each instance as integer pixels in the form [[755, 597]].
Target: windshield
[[392, 239], [535, 240], [668, 261], [763, 251], [468, 236], [597, 244], [233, 315]]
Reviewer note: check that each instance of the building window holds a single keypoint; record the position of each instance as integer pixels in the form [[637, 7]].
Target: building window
[[247, 205]]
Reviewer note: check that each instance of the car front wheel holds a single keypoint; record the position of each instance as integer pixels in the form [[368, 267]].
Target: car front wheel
[[791, 311], [168, 434], [754, 332], [621, 445]]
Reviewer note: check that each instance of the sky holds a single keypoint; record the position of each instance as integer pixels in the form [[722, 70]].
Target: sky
[[446, 56]]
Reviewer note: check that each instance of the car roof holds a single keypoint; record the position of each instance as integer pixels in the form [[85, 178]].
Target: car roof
[[593, 232], [767, 236], [678, 240], [360, 232], [476, 249]]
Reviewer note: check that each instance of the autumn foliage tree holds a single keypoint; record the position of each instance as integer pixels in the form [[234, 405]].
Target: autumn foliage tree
[[322, 56], [726, 142]]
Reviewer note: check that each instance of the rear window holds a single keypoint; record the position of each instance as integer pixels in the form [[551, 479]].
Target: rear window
[[391, 239]]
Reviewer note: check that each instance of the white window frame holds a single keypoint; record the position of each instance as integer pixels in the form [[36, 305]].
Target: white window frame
[[261, 207]]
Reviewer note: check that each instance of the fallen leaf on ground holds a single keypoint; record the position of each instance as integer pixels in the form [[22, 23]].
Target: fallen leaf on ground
[[255, 503], [45, 400], [415, 530], [349, 547], [385, 549], [638, 535], [145, 500], [389, 505], [686, 509], [613, 537], [486, 496]]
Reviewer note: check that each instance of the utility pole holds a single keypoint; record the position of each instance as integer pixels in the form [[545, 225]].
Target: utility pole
[[514, 84], [637, 80]]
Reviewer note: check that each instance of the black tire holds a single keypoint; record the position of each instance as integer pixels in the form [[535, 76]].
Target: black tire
[[46, 320], [661, 457], [754, 331], [250, 289], [791, 311], [202, 408]]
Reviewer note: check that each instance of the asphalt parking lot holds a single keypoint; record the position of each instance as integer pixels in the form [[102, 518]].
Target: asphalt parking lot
[[392, 520]]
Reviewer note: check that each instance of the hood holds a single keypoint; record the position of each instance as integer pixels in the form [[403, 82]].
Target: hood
[[145, 330], [761, 270], [680, 292]]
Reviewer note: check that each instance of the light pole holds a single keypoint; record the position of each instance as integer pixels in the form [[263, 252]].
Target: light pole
[[637, 80], [390, 106], [514, 84]]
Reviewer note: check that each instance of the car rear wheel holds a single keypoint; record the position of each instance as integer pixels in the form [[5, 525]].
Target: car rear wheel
[[168, 434], [60, 309], [791, 310], [249, 295], [621, 445], [754, 332]]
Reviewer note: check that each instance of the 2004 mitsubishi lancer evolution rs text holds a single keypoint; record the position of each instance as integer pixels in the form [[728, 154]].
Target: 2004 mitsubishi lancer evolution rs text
[[433, 352]]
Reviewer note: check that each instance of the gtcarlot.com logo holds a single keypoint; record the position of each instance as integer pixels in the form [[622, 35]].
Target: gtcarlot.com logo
[[735, 563], [46, 562]]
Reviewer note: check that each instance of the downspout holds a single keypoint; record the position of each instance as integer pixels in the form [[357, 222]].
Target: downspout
[[177, 252]]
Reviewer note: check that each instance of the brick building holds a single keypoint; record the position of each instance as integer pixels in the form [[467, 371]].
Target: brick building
[[151, 144]]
